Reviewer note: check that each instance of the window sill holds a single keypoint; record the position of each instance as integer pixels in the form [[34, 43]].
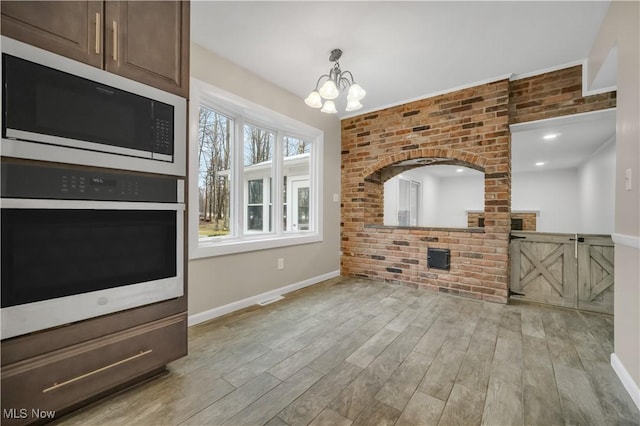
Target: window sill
[[204, 249]]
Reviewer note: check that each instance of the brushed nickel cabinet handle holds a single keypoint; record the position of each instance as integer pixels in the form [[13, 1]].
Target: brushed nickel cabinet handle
[[115, 41], [91, 373], [98, 33]]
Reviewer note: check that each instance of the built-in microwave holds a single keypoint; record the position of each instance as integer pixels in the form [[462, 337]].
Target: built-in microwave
[[57, 109]]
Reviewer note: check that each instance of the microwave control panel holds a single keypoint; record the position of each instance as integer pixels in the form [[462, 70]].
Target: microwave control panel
[[163, 137], [65, 183]]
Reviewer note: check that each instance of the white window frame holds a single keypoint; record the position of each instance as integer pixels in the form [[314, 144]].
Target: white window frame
[[266, 201], [412, 183], [291, 181], [244, 111]]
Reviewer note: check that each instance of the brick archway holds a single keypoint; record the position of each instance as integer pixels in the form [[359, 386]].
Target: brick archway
[[462, 157], [468, 127]]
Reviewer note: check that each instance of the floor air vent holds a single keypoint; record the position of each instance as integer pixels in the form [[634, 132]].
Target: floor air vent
[[268, 301]]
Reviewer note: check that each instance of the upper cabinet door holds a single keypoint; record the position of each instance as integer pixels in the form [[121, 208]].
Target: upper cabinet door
[[68, 28], [148, 41]]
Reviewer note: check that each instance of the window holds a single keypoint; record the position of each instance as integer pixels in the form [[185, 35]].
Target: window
[[256, 206], [214, 161], [296, 185], [408, 193], [258, 169], [255, 175]]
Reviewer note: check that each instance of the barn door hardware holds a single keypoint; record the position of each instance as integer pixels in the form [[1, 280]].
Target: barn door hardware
[[576, 240]]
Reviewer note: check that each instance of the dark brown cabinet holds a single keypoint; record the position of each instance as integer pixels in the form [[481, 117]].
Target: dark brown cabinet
[[68, 376], [146, 41], [64, 368], [69, 28]]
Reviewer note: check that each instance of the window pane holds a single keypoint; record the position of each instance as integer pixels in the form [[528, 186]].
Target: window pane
[[294, 146], [258, 168], [403, 202], [214, 160], [255, 191], [254, 218], [297, 188], [258, 145], [303, 209]]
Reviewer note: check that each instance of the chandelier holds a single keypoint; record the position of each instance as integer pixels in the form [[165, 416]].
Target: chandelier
[[334, 82]]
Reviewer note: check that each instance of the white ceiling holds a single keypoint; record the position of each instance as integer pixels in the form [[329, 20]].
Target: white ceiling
[[398, 51], [579, 137]]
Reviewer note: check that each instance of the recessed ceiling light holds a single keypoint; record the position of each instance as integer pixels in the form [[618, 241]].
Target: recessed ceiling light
[[551, 136], [540, 163], [459, 170]]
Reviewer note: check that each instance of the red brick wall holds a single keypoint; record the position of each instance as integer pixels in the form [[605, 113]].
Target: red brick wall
[[553, 94], [528, 220], [468, 127]]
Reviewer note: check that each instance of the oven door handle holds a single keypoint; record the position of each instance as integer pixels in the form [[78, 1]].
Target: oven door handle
[[23, 203]]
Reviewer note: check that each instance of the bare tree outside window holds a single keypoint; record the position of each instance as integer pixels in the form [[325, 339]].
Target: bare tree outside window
[[258, 145], [214, 160], [294, 146]]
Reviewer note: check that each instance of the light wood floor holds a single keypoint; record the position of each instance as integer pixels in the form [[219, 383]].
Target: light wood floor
[[357, 352]]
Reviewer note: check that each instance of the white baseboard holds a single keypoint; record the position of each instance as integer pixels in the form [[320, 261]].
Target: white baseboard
[[240, 304], [624, 376]]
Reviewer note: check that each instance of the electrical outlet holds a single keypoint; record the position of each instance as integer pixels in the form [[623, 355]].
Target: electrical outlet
[[627, 180], [281, 263]]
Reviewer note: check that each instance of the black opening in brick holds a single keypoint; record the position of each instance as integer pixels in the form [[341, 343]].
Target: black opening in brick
[[438, 258], [516, 224]]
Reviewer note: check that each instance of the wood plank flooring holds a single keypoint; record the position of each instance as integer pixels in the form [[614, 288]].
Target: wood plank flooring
[[358, 352]]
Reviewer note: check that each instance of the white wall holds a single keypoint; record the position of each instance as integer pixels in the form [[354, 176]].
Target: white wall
[[552, 193], [218, 281], [428, 210], [456, 196], [566, 200], [621, 29], [596, 183]]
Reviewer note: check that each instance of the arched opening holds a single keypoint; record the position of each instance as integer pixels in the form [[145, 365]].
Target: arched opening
[[436, 196], [425, 192]]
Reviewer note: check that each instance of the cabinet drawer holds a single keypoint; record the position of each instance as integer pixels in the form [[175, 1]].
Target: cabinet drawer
[[59, 379]]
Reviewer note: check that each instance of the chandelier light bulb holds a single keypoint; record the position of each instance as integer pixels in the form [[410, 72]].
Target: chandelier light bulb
[[353, 105], [329, 90], [356, 93], [314, 100], [329, 107]]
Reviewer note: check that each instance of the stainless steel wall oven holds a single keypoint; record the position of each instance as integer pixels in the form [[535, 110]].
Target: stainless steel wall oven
[[81, 242]]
